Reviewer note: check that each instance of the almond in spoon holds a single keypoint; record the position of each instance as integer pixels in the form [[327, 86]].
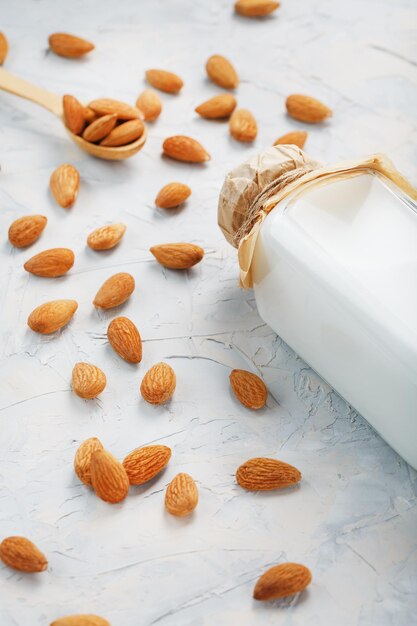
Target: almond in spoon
[[108, 106], [183, 148], [101, 127], [83, 456], [150, 104], [64, 184], [124, 134], [181, 496], [264, 474], [145, 463], [4, 48], [221, 71], [218, 107], [114, 291], [108, 477], [106, 237], [21, 554], [26, 230], [73, 114], [51, 316], [125, 339], [88, 381], [164, 81], [307, 109], [178, 256], [69, 46], [51, 263], [158, 384], [281, 581]]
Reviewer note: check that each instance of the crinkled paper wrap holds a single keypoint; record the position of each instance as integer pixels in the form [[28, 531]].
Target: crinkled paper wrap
[[253, 189]]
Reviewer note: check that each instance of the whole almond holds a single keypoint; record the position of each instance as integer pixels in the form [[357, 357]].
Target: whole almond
[[108, 106], [125, 339], [101, 127], [243, 126], [164, 81], [64, 184], [26, 230], [150, 104], [263, 474], [21, 554], [82, 458], [296, 138], [89, 115], [248, 388], [172, 195], [81, 620], [51, 263], [4, 48], [51, 316], [88, 381], [181, 496], [182, 148], [145, 463], [124, 134], [158, 384], [70, 46], [256, 8], [218, 107], [281, 581], [221, 71], [73, 114], [108, 477], [177, 256], [114, 291], [307, 109], [106, 237]]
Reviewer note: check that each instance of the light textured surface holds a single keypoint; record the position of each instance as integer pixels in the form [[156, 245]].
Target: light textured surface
[[353, 518]]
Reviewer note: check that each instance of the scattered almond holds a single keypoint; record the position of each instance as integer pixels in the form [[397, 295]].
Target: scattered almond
[[263, 474], [150, 104], [108, 477], [73, 114], [218, 107], [307, 109], [281, 581], [66, 45], [88, 381], [296, 138], [64, 184], [4, 48], [222, 72], [248, 388], [181, 496], [177, 256], [106, 237], [101, 127], [182, 148], [21, 554], [82, 458], [51, 316], [165, 81], [89, 115], [125, 339], [107, 106], [145, 463], [124, 134], [26, 230], [172, 195], [81, 620], [243, 126], [51, 263], [256, 8], [114, 291], [158, 384]]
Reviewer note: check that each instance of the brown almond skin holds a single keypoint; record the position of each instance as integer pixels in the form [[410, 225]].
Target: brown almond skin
[[218, 107], [88, 381], [150, 104], [125, 339], [100, 128], [70, 46], [108, 477], [4, 48], [263, 474], [51, 316], [181, 497], [51, 263], [89, 115], [124, 134], [108, 106], [73, 112], [243, 126], [106, 237], [307, 109], [183, 148], [281, 581], [64, 184], [256, 8], [178, 256], [248, 388], [82, 458], [26, 230], [158, 384], [172, 195], [114, 291], [21, 554], [296, 138], [81, 620], [221, 71], [145, 463], [164, 81]]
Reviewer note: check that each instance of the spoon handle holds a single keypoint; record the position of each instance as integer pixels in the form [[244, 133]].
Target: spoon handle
[[22, 88]]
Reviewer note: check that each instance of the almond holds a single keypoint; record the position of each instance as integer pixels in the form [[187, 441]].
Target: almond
[[248, 388], [114, 291], [101, 127], [222, 72], [4, 48], [22, 554], [82, 458], [158, 384], [26, 230], [64, 184], [124, 134], [296, 138], [73, 114], [164, 81], [107, 106], [106, 237], [150, 104], [108, 477], [89, 115], [125, 339], [51, 316], [51, 263], [177, 256], [145, 463], [70, 46], [88, 381], [307, 109], [256, 8], [263, 474], [181, 496], [182, 148], [243, 125], [81, 620], [217, 107], [172, 195], [281, 581]]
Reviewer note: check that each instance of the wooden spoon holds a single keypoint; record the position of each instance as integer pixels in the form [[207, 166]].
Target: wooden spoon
[[53, 103]]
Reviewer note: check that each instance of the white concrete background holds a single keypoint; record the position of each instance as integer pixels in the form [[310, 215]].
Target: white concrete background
[[353, 519]]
